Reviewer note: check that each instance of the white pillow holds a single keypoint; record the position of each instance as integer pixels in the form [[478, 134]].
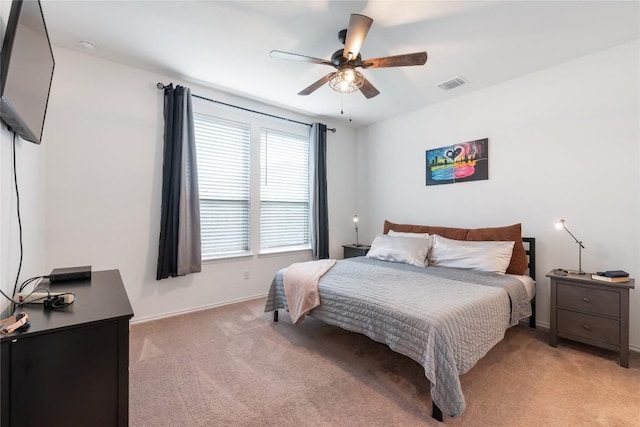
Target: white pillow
[[416, 236], [409, 250], [481, 256]]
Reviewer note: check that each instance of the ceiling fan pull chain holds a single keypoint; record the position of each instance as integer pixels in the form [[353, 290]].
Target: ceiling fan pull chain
[[342, 106]]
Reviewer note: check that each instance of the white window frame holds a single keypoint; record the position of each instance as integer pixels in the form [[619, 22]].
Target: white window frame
[[257, 122], [230, 202], [290, 190]]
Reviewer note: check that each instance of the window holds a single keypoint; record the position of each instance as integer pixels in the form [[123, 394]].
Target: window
[[223, 148], [284, 191], [254, 182]]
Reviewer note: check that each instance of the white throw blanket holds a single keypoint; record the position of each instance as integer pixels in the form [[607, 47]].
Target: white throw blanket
[[301, 286]]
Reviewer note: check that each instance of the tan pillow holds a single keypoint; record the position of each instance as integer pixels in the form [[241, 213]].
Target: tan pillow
[[448, 232], [513, 233]]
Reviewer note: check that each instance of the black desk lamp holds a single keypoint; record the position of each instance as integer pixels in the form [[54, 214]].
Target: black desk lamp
[[355, 221], [561, 224]]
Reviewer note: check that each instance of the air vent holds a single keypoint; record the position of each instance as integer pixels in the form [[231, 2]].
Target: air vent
[[453, 83]]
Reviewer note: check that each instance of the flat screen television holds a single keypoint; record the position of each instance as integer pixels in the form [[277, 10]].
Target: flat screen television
[[26, 70]]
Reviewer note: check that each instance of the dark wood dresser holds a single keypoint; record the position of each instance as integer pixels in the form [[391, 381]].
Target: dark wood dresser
[[351, 251], [71, 366], [591, 311]]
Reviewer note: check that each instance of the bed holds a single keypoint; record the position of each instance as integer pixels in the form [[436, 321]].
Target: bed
[[445, 318]]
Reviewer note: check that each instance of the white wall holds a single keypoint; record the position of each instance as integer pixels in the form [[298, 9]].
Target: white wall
[[28, 167], [103, 186], [563, 143]]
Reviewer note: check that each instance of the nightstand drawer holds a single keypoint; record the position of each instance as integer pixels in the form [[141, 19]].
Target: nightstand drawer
[[595, 301], [589, 327]]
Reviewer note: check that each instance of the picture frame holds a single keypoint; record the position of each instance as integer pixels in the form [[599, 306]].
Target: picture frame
[[462, 162]]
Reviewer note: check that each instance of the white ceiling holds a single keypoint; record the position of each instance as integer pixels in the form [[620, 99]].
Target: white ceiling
[[226, 44]]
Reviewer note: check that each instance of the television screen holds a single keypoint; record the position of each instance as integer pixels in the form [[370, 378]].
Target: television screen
[[26, 69]]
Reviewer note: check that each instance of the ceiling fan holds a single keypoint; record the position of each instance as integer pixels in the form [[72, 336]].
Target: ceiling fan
[[347, 79]]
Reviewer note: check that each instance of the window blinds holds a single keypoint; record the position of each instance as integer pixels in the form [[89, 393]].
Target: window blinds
[[223, 149], [284, 190]]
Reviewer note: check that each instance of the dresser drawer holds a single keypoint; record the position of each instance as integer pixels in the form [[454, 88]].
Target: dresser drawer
[[589, 327], [597, 301]]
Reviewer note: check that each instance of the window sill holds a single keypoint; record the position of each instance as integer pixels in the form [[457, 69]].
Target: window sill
[[263, 254], [282, 252], [227, 258]]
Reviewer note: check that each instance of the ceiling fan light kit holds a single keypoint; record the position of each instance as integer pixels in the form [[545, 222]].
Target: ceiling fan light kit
[[347, 79]]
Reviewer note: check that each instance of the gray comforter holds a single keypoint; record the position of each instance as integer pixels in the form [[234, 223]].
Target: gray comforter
[[440, 317]]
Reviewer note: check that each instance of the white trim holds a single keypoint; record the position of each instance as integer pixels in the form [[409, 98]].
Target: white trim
[[192, 310], [228, 258], [283, 252], [544, 325]]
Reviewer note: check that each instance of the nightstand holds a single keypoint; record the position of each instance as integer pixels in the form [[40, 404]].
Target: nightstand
[[590, 311], [351, 251]]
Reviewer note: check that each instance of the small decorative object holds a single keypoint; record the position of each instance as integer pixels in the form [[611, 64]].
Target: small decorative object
[[468, 161], [355, 221], [561, 224]]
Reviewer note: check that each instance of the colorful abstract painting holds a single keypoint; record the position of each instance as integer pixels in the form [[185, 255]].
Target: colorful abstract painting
[[467, 161]]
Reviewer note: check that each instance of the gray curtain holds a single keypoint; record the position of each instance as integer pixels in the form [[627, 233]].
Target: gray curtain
[[319, 208], [179, 247]]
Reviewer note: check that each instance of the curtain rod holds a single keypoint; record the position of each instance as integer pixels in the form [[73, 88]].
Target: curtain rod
[[162, 86]]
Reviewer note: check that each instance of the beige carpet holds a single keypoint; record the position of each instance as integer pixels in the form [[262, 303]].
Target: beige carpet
[[232, 366]]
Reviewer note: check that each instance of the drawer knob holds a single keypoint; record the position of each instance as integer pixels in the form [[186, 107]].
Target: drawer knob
[[586, 326], [585, 299]]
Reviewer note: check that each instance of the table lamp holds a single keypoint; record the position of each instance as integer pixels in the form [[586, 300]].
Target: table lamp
[[561, 224], [355, 221]]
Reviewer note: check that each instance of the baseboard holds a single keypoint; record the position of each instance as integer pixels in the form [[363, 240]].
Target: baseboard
[[546, 326], [194, 309]]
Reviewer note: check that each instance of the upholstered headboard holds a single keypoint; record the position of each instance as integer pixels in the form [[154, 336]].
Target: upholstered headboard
[[519, 262]]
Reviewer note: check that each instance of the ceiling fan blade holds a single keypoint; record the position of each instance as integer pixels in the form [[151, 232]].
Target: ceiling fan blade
[[368, 90], [317, 84], [278, 54], [418, 58], [358, 28]]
